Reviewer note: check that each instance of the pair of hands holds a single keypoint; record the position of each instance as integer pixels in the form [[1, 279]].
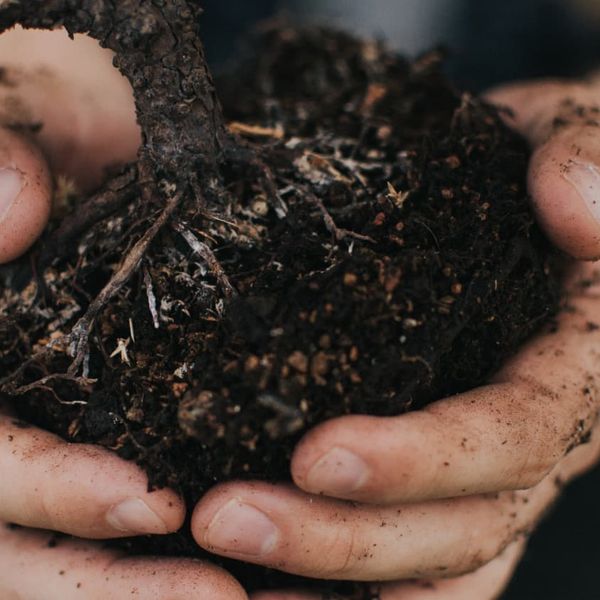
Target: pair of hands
[[435, 510]]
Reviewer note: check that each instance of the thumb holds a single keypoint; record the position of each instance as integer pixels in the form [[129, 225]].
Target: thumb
[[25, 194], [561, 122]]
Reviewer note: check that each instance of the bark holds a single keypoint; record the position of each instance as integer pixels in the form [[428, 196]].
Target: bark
[[158, 48]]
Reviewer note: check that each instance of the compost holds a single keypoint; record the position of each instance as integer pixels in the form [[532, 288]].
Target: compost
[[341, 231]]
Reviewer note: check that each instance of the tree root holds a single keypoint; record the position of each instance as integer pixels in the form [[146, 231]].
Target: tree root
[[79, 337], [77, 341], [118, 192]]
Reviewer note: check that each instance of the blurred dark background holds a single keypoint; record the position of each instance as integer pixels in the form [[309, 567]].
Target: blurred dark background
[[490, 42]]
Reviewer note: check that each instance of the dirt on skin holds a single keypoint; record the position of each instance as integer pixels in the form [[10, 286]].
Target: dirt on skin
[[376, 252]]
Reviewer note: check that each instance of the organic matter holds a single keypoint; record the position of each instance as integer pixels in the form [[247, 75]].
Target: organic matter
[[349, 235]]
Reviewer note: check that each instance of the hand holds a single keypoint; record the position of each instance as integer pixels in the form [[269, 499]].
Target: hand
[[434, 491], [424, 479], [35, 565], [87, 118]]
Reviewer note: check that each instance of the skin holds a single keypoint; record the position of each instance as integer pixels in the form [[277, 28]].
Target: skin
[[450, 493], [72, 570]]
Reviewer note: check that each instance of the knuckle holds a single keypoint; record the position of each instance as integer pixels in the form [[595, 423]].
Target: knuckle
[[341, 554]]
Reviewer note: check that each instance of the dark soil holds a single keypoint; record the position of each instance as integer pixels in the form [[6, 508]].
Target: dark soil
[[369, 248]]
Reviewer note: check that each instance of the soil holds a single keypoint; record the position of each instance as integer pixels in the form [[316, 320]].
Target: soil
[[365, 246]]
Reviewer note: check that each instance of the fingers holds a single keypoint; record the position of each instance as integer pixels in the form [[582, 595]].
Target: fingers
[[564, 182], [458, 447], [484, 584], [487, 583], [561, 121], [535, 106], [78, 489], [283, 528], [25, 194], [83, 104], [81, 113], [507, 435], [325, 539], [32, 567]]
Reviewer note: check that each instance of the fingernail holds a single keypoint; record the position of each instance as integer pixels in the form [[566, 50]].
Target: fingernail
[[135, 516], [585, 178], [242, 529], [11, 184], [338, 472]]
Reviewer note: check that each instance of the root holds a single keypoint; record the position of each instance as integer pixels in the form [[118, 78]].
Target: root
[[79, 337], [202, 250], [6, 382], [118, 192], [151, 298], [77, 341], [338, 233], [41, 384], [245, 157]]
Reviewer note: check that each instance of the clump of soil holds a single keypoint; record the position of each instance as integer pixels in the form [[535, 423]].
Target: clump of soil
[[364, 246]]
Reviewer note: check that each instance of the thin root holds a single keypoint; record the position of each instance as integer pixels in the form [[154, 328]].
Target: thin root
[[338, 233], [118, 192], [41, 385], [202, 250], [79, 337], [151, 298]]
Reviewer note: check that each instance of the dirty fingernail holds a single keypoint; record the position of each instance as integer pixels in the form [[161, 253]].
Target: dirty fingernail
[[11, 184], [339, 471], [243, 529], [135, 516], [585, 178]]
